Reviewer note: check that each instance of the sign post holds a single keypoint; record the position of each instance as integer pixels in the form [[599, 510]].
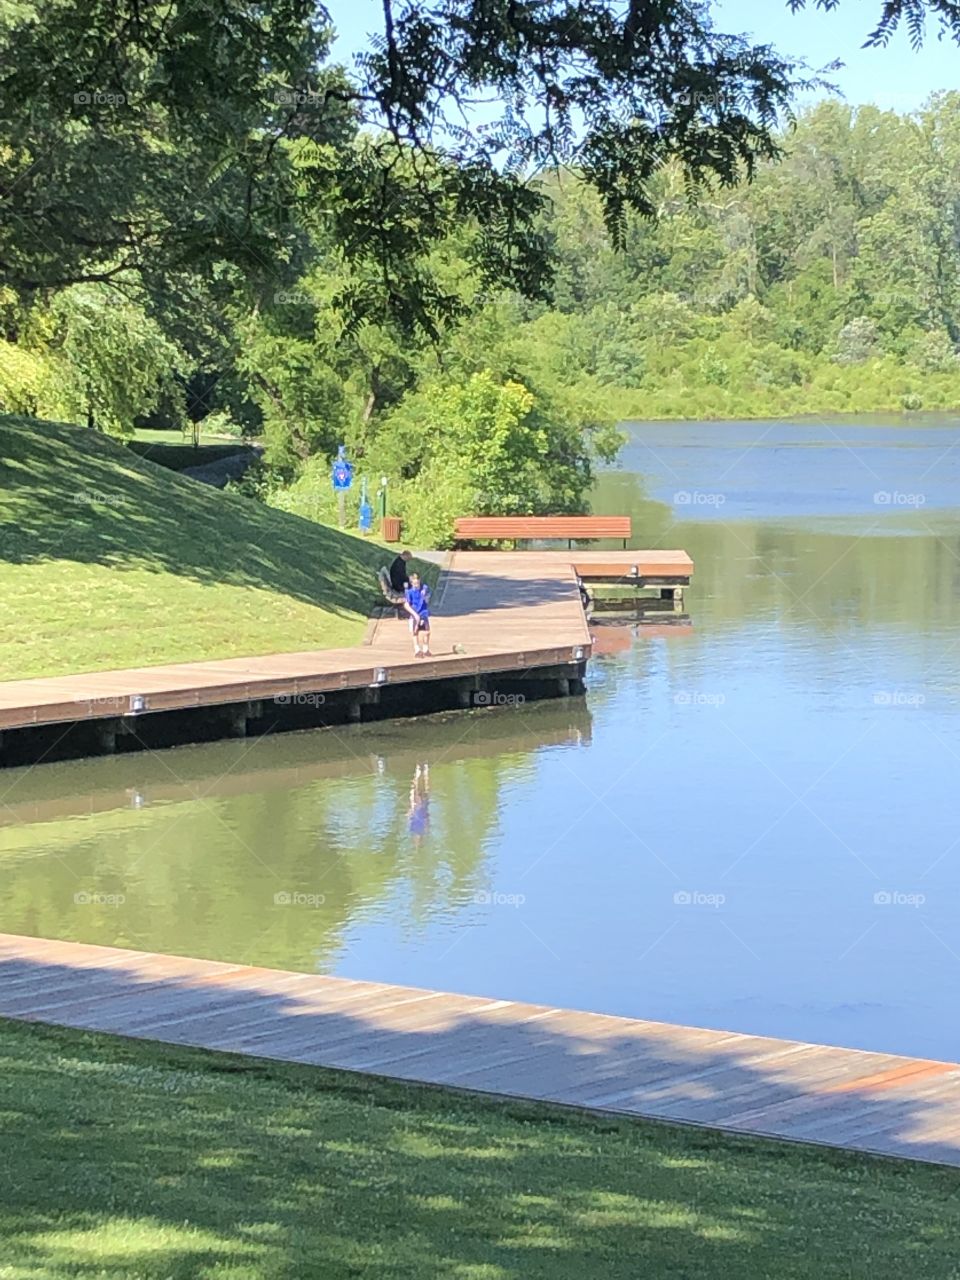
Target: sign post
[[366, 511]]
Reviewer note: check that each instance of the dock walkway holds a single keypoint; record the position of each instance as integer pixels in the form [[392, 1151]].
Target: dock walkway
[[517, 609], [868, 1102]]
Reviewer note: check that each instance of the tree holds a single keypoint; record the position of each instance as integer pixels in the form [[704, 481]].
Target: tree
[[148, 138], [112, 361], [858, 341], [484, 446], [140, 137], [301, 398]]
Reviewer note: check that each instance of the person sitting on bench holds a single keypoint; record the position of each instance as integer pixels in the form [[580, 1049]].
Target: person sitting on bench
[[399, 578]]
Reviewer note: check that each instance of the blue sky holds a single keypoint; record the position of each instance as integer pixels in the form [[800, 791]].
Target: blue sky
[[894, 78]]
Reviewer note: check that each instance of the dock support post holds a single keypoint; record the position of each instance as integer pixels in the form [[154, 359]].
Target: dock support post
[[466, 689], [107, 737], [236, 718], [362, 698], [563, 687]]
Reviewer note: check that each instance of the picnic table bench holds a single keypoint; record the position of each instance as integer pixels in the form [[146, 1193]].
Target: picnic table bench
[[541, 528]]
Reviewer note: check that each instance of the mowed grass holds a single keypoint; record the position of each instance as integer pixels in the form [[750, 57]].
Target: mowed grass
[[130, 1161], [107, 560]]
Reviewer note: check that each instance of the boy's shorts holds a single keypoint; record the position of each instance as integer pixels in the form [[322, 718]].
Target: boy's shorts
[[419, 624]]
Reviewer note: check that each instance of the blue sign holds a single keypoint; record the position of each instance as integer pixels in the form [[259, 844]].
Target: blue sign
[[342, 471]]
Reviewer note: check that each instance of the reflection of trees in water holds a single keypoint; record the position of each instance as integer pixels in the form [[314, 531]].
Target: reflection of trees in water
[[746, 568], [826, 579], [211, 876], [830, 581]]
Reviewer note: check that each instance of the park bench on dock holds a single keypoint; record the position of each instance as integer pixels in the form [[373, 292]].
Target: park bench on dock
[[470, 529]]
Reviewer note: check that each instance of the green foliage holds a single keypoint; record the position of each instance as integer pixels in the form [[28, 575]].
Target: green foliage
[[857, 341], [112, 359], [23, 377], [483, 446], [302, 399], [933, 352]]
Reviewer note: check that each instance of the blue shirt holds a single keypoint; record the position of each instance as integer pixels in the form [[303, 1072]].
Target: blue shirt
[[418, 598]]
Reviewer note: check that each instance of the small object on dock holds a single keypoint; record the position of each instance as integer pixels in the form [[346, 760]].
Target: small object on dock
[[459, 648]]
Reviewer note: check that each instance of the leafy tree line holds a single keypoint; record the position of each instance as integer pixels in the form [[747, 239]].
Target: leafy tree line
[[207, 218], [830, 283]]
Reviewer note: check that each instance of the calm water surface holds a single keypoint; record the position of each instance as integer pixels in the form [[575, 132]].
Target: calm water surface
[[748, 823]]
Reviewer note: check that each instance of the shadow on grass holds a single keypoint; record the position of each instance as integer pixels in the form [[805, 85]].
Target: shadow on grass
[[137, 1159], [69, 493]]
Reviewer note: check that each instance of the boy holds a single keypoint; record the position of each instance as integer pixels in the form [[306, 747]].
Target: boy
[[417, 597]]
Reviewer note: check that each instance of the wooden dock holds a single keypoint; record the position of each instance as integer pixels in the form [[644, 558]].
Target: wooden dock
[[496, 614], [868, 1102]]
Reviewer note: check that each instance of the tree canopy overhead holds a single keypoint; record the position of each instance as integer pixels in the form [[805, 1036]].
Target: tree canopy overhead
[[147, 140]]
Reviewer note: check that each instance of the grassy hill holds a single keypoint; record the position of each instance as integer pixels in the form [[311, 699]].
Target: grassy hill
[[107, 560]]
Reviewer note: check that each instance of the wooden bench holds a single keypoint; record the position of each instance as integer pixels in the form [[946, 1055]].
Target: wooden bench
[[542, 528], [394, 598]]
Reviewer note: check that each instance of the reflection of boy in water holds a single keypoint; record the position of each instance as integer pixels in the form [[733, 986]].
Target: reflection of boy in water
[[418, 819]]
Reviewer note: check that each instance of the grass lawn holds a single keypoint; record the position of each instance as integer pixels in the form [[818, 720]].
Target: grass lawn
[[129, 1161], [107, 560]]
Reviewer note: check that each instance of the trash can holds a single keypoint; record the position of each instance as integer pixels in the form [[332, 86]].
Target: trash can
[[391, 529]]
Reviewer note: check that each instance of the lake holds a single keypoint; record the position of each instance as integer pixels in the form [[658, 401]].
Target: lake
[[748, 823]]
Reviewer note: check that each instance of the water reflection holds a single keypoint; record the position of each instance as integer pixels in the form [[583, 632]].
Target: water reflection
[[270, 854], [418, 817]]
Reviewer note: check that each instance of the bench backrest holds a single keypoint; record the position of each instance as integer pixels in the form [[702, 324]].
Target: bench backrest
[[543, 527]]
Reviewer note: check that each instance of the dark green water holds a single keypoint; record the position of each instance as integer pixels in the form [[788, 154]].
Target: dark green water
[[750, 823]]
